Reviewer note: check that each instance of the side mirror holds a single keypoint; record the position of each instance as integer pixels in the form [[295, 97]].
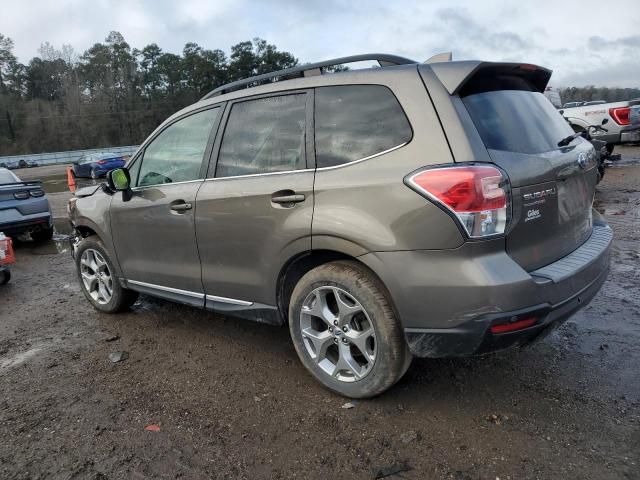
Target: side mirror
[[119, 179], [605, 121], [561, 112]]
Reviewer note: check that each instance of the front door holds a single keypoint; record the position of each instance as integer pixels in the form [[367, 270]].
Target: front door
[[154, 229], [254, 212]]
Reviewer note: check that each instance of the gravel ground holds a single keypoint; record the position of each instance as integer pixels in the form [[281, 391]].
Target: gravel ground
[[231, 399]]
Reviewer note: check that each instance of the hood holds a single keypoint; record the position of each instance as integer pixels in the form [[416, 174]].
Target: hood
[[87, 191]]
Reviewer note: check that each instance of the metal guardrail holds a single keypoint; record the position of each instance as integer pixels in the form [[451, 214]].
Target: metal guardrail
[[62, 157]]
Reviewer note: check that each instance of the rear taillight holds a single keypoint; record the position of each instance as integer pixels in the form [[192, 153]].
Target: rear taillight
[[477, 195], [101, 162], [620, 115], [21, 195]]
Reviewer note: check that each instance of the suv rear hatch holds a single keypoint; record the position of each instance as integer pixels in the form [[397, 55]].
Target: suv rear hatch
[[552, 187]]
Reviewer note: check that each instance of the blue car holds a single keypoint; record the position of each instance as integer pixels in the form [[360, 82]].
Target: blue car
[[24, 208], [97, 165]]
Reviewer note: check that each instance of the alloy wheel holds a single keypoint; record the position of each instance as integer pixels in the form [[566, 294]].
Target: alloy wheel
[[96, 276], [338, 333]]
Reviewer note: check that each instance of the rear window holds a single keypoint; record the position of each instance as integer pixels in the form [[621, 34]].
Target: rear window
[[7, 177], [357, 121], [517, 121]]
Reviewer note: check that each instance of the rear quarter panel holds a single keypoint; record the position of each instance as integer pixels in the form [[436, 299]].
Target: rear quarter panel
[[365, 206]]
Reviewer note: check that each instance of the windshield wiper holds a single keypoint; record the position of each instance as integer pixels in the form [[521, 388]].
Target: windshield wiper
[[567, 140]]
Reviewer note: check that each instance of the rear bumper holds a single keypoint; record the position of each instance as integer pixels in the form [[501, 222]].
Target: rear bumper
[[448, 300], [30, 223], [475, 337], [630, 136]]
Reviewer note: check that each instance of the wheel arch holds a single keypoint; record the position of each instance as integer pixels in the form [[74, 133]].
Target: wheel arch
[[85, 231], [577, 124], [304, 262], [86, 228]]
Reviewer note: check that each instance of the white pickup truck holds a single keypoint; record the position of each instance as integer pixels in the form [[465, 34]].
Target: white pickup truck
[[623, 121]]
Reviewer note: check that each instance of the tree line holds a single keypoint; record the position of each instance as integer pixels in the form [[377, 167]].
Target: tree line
[[112, 94], [589, 93]]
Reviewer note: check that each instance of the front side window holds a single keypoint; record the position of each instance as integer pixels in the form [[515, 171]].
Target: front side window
[[263, 136], [176, 154], [357, 121]]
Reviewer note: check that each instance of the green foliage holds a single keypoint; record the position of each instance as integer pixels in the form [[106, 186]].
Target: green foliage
[[589, 93], [112, 94]]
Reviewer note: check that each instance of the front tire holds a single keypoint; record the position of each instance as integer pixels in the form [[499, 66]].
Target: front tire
[[345, 331], [98, 280], [94, 174]]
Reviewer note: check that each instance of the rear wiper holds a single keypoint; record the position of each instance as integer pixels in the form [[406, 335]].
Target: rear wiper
[[567, 140]]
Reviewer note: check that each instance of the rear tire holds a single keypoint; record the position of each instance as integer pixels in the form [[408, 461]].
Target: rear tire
[[98, 279], [42, 235], [94, 174], [5, 276], [345, 331]]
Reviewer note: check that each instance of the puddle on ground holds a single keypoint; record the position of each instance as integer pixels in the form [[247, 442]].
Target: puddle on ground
[[58, 244], [55, 184], [60, 241], [19, 358], [58, 183]]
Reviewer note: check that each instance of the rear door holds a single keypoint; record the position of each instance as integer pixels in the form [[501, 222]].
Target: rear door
[[552, 187], [254, 211]]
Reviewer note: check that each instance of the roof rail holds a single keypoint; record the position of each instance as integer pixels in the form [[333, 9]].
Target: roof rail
[[308, 70]]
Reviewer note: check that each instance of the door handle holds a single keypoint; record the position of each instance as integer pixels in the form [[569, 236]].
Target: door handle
[[295, 198], [180, 207]]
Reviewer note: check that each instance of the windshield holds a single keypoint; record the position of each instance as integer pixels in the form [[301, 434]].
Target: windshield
[[517, 121]]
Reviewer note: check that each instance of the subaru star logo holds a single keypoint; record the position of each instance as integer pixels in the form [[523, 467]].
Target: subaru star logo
[[582, 160]]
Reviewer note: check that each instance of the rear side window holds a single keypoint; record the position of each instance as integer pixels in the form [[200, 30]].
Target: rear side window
[[353, 122], [263, 136], [517, 121]]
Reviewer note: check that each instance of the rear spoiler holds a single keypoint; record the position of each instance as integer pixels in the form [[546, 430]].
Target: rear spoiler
[[31, 183], [455, 76]]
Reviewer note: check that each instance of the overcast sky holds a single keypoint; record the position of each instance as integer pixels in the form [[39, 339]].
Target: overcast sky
[[584, 42]]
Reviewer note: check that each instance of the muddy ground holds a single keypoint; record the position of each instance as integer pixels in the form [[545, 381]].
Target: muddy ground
[[232, 400]]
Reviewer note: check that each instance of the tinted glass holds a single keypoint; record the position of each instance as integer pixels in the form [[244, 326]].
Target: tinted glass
[[517, 121], [176, 154], [357, 121], [264, 135]]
